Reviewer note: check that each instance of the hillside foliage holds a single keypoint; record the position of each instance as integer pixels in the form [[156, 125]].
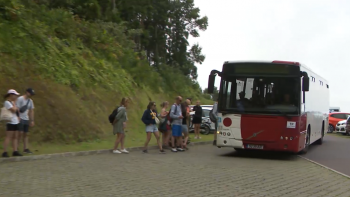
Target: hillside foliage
[[112, 48]]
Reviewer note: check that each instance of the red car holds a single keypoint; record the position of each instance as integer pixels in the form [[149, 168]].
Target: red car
[[334, 118]]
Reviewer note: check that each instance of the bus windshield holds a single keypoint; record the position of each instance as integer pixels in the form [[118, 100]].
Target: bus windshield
[[262, 95]]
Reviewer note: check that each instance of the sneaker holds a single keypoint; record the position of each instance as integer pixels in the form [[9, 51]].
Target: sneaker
[[27, 151], [124, 151], [16, 154], [116, 152], [162, 151], [4, 154], [180, 149], [214, 143], [173, 150], [145, 151]]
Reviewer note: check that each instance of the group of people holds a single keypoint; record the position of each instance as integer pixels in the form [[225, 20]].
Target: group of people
[[173, 124], [18, 112]]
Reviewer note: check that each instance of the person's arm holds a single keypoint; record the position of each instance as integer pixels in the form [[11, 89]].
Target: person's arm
[[172, 113], [31, 114], [120, 114], [11, 106], [145, 119]]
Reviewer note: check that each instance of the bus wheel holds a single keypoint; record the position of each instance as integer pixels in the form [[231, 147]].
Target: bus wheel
[[320, 141], [307, 143]]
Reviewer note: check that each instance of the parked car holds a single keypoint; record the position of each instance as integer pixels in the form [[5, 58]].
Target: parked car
[[347, 126], [340, 128], [334, 118]]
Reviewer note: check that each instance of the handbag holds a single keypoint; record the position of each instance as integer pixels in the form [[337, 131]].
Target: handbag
[[157, 120], [155, 117], [24, 107], [5, 115]]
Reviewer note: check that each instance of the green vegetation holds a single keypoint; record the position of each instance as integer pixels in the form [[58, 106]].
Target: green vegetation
[[83, 56]]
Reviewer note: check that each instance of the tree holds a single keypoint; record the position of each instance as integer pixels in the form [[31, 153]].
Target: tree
[[215, 94]]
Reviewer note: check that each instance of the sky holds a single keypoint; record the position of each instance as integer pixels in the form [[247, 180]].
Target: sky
[[313, 32]]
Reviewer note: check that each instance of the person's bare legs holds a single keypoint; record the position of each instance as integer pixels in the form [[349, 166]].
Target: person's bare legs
[[148, 138], [164, 136], [15, 141], [179, 142], [186, 139], [173, 142], [9, 136], [156, 134], [25, 141], [168, 136], [196, 131], [117, 141], [122, 140]]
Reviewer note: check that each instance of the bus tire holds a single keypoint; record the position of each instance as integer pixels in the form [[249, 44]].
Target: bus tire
[[320, 141], [307, 143]]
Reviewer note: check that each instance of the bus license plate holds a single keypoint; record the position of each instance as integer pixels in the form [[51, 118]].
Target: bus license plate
[[253, 146]]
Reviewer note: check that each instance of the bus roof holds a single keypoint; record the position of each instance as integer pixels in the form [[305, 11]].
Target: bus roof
[[276, 62]]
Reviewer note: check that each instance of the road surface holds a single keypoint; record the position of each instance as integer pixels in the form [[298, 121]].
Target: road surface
[[202, 171], [333, 153]]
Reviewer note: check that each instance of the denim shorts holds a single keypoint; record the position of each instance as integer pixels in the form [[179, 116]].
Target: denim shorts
[[177, 130], [151, 128], [184, 128]]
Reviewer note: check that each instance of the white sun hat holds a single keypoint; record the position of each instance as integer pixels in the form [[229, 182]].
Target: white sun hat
[[12, 91]]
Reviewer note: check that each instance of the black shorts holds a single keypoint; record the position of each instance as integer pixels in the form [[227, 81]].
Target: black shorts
[[23, 126], [197, 120], [11, 127]]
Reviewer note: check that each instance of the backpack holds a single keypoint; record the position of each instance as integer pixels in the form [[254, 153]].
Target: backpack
[[113, 115], [171, 120], [212, 116]]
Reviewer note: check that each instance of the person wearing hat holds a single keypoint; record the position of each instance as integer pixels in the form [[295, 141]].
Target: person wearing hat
[[26, 108], [12, 124]]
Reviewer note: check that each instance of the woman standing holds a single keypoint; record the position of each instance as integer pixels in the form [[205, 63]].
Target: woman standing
[[164, 126], [197, 119], [149, 119], [12, 125], [119, 125], [185, 114]]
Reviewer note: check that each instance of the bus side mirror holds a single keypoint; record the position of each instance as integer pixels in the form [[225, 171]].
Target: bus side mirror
[[306, 84], [211, 82]]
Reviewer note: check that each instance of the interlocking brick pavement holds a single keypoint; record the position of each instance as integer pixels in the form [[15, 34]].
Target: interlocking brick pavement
[[202, 171]]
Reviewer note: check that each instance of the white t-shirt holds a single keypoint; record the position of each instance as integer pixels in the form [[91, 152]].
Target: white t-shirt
[[21, 101], [14, 120]]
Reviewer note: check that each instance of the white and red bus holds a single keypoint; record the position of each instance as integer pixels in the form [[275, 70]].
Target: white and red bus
[[278, 105]]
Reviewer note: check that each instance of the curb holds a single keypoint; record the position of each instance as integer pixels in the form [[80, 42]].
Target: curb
[[323, 166], [82, 153]]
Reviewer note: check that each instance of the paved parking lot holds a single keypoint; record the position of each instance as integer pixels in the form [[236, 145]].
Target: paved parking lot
[[203, 171]]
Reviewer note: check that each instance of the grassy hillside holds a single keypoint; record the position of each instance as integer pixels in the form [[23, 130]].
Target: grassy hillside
[[80, 71]]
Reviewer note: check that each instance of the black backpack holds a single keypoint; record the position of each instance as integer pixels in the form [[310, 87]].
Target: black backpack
[[113, 115], [212, 116]]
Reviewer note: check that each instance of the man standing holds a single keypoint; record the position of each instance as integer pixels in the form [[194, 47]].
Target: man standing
[[26, 107], [176, 118], [215, 113]]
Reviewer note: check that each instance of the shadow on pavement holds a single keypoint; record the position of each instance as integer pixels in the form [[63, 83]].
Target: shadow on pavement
[[269, 155]]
